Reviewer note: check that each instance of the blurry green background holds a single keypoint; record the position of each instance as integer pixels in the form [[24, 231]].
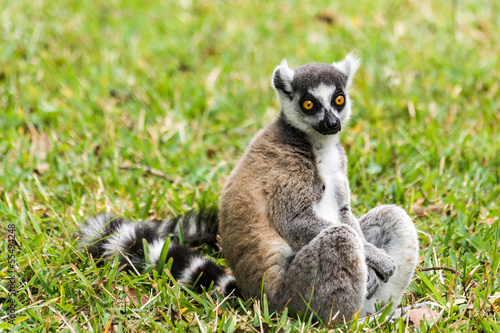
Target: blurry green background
[[90, 88]]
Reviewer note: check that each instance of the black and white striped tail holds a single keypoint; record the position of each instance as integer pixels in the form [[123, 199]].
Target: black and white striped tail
[[105, 236]]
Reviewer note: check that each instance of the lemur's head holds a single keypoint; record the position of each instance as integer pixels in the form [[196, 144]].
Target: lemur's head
[[314, 97]]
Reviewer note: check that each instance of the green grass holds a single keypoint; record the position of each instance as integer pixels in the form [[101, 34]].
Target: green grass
[[89, 86]]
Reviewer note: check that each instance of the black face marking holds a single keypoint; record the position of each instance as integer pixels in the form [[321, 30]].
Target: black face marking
[[312, 75], [316, 104], [338, 93]]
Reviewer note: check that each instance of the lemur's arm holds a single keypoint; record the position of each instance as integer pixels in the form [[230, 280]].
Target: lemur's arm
[[290, 209], [380, 261], [376, 258]]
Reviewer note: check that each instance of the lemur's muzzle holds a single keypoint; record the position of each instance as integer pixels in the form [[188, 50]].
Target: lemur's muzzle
[[329, 125]]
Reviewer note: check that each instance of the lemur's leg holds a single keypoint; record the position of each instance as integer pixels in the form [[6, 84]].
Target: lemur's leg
[[391, 229], [329, 274]]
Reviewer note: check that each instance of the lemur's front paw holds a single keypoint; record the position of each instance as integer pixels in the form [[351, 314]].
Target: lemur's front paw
[[385, 268], [380, 261], [372, 283]]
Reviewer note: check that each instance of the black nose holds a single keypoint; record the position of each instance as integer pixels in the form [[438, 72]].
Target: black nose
[[329, 125], [335, 124]]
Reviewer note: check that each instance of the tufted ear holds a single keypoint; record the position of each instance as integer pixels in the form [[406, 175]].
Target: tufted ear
[[348, 66], [282, 79]]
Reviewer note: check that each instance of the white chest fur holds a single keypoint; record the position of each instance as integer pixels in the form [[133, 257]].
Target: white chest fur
[[337, 194]]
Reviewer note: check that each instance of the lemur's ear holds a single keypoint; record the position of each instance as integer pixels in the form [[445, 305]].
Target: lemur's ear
[[348, 66], [282, 78]]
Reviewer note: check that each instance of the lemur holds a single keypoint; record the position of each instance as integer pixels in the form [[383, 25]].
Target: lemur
[[284, 218]]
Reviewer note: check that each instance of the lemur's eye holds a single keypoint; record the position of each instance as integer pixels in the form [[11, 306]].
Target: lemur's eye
[[339, 100], [307, 104]]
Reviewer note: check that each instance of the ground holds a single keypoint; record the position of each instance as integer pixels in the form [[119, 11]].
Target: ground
[[93, 91]]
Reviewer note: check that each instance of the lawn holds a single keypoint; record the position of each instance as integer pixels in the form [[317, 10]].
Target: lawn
[[91, 92]]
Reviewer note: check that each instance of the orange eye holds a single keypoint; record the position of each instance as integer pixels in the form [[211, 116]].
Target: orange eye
[[339, 100], [308, 105]]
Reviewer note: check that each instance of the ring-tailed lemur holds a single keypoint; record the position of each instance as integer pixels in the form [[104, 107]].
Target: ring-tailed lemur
[[285, 219]]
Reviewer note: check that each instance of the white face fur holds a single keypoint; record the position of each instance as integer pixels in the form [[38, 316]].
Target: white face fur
[[314, 97]]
